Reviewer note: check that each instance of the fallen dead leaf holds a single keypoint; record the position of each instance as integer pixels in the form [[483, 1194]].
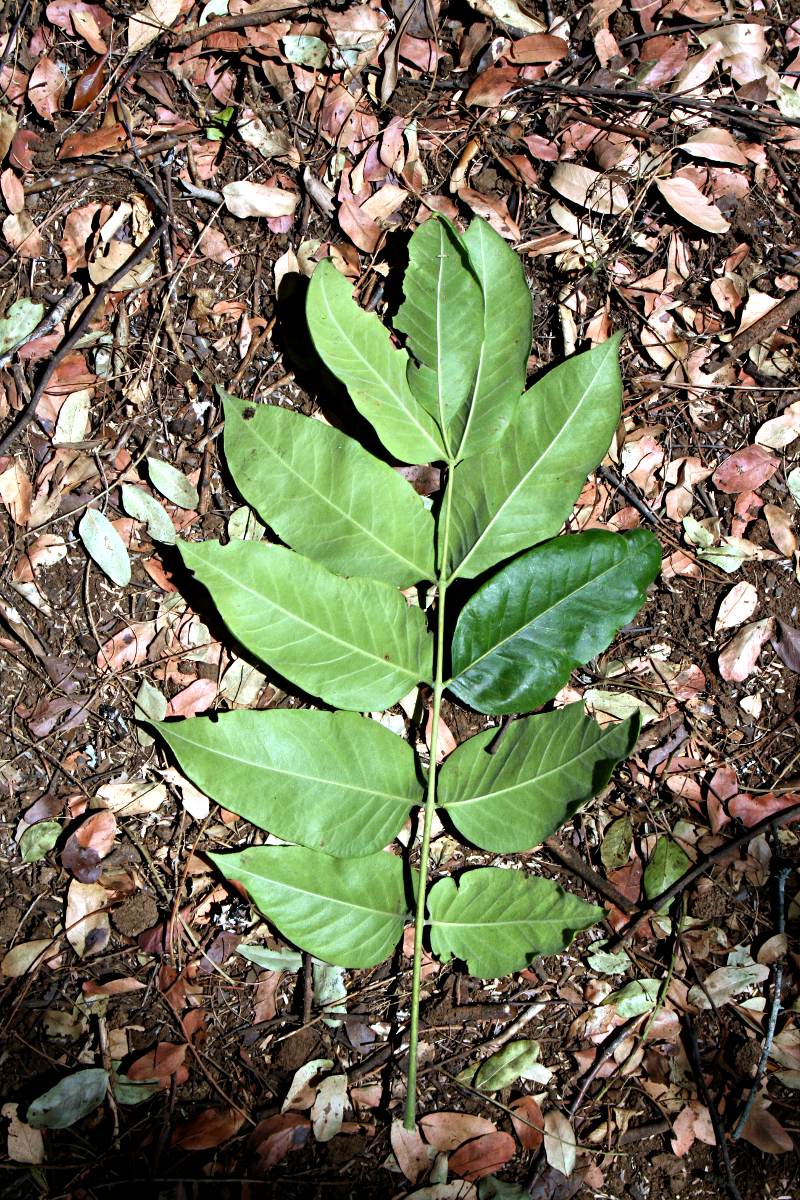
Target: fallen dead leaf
[[482, 1156], [689, 202], [738, 606], [588, 188], [247, 199], [745, 470], [738, 660], [86, 925]]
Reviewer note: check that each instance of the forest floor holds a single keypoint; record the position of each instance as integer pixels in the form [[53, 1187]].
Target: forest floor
[[642, 157]]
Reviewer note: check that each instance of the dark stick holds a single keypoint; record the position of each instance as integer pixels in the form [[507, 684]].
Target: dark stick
[[573, 862], [11, 41], [29, 411], [702, 1088], [775, 1007], [680, 885], [643, 509], [262, 16]]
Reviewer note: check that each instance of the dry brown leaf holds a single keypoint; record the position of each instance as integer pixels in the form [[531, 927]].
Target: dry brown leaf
[[150, 22], [88, 845], [482, 1156], [447, 1131], [247, 199], [16, 493], [528, 1122], [738, 660], [273, 1138], [559, 1142], [26, 955], [781, 530], [716, 145], [781, 431], [764, 1131], [414, 1158], [588, 188], [25, 1144], [210, 1128], [22, 235], [538, 48], [86, 925], [690, 203], [738, 606], [745, 470], [46, 88]]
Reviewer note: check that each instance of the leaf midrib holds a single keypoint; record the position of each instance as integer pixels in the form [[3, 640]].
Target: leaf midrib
[[316, 628], [362, 908], [420, 571], [535, 781], [399, 399], [548, 449], [246, 762], [534, 620]]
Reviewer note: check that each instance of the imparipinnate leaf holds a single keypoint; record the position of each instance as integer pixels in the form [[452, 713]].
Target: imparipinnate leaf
[[105, 546], [72, 1099], [543, 770], [326, 497], [505, 345], [442, 318], [140, 505], [336, 782], [172, 483], [667, 863], [354, 642], [357, 348], [346, 911], [498, 921], [519, 637], [521, 491]]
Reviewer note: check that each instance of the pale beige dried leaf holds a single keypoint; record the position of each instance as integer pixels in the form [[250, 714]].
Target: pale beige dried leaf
[[689, 202], [716, 145], [134, 799], [246, 199], [22, 957], [150, 22], [559, 1142], [508, 12], [327, 1110], [780, 431], [588, 188], [781, 530], [16, 493], [22, 235], [86, 926], [414, 1158], [738, 660], [25, 1144], [737, 606]]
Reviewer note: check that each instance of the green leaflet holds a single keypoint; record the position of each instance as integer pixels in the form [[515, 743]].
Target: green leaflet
[[336, 782], [521, 490], [497, 921], [346, 911], [522, 633], [357, 348], [504, 344], [667, 863], [326, 497], [442, 318], [353, 642], [543, 770]]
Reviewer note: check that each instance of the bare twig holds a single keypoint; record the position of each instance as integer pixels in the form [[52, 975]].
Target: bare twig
[[693, 1053], [573, 862], [262, 14], [761, 329], [29, 411], [694, 872], [775, 1007]]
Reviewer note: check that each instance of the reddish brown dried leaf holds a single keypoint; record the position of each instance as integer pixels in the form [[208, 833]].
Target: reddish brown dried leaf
[[745, 470], [110, 137], [90, 84], [447, 1131], [752, 809], [482, 1156], [528, 1122], [211, 1127], [88, 845], [273, 1138], [160, 1063]]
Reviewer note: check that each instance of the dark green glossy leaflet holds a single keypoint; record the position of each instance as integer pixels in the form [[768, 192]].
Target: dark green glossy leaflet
[[349, 912], [543, 770], [504, 345], [442, 318], [498, 921], [326, 497], [522, 490], [353, 642], [522, 633], [357, 348], [336, 782]]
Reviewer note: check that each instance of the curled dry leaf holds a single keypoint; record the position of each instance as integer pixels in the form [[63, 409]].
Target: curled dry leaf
[[781, 529], [246, 199], [717, 145], [738, 606], [738, 660], [588, 188], [150, 22], [745, 470], [88, 845], [689, 202]]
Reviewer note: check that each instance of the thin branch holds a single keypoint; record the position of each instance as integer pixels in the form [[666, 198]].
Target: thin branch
[[263, 15], [693, 1053]]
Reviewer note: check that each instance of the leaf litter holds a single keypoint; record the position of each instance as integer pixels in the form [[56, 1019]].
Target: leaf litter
[[662, 206]]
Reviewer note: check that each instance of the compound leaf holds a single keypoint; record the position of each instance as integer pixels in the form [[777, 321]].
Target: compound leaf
[[442, 318], [326, 496], [349, 912], [519, 637], [353, 642], [543, 770], [504, 346], [498, 921], [357, 348], [522, 490], [335, 782]]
